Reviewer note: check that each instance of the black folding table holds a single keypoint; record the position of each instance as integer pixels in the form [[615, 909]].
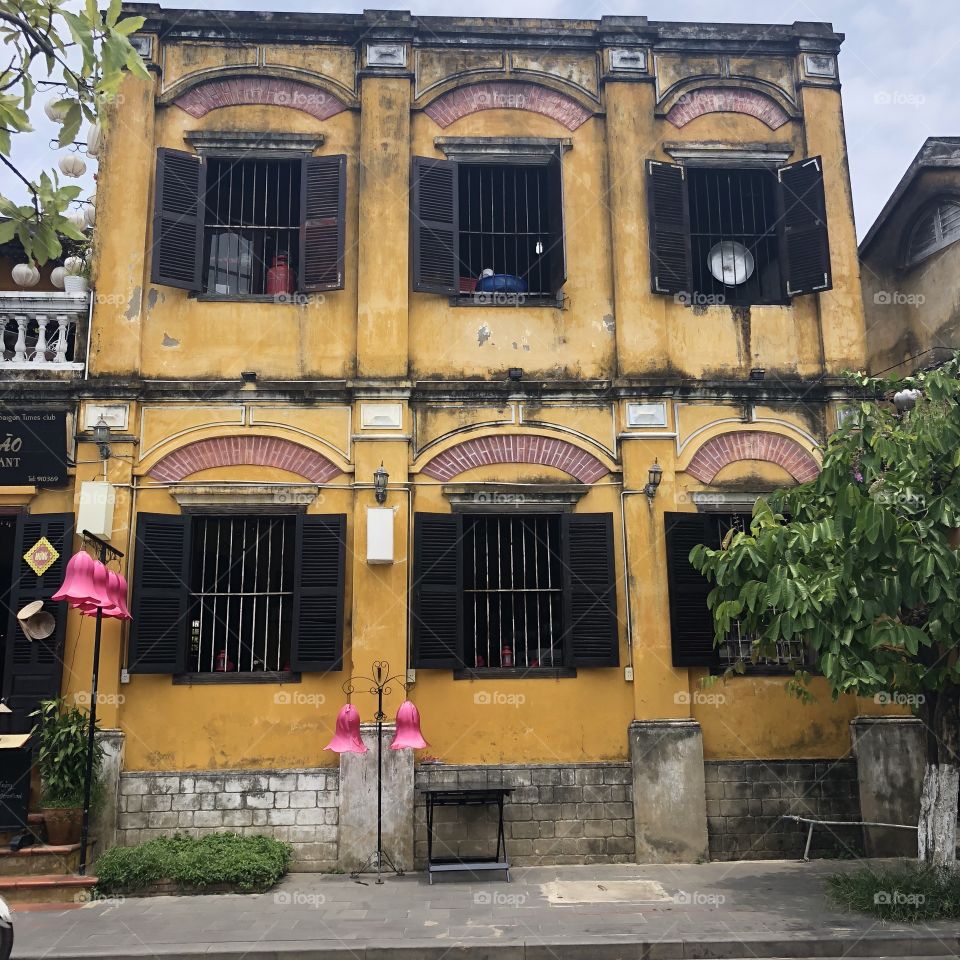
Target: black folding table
[[466, 795]]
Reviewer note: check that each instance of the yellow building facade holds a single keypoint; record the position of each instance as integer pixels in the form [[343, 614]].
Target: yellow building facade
[[582, 290]]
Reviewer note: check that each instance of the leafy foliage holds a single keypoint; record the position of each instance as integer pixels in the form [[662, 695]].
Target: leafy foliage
[[61, 738], [81, 56], [246, 862], [859, 563], [908, 893]]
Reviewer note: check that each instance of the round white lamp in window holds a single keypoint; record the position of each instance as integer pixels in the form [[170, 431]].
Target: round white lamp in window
[[730, 263], [25, 275], [56, 277], [78, 219], [73, 165], [73, 266], [90, 212]]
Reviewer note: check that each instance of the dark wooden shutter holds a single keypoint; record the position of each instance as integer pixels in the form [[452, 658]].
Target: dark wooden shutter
[[435, 226], [322, 222], [437, 590], [318, 593], [590, 625], [558, 250], [161, 594], [668, 211], [804, 242], [691, 622], [32, 669], [178, 206]]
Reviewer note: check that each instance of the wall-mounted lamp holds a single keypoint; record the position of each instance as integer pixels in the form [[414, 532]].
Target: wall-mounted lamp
[[654, 476], [101, 437], [380, 478]]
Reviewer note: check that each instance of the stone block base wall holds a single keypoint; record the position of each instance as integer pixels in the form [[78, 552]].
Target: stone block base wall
[[745, 800], [300, 807], [557, 813]]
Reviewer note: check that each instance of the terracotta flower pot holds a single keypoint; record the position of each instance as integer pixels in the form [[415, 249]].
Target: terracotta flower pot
[[63, 824]]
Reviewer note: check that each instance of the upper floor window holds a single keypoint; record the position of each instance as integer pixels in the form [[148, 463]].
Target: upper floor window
[[268, 226], [489, 232], [521, 592], [738, 235], [937, 227]]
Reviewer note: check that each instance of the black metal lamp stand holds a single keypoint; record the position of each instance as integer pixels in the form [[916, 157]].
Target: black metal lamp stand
[[102, 548], [379, 685]]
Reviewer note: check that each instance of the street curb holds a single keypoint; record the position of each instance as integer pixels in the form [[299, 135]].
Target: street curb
[[899, 946]]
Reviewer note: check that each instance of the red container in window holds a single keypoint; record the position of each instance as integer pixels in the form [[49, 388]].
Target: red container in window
[[506, 657], [280, 278]]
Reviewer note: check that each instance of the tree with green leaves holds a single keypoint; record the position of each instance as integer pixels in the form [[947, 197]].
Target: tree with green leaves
[[860, 564], [78, 57]]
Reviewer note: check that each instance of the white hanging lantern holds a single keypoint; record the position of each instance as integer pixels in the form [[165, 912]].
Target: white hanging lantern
[[56, 277], [25, 275], [54, 111], [73, 165], [90, 212], [94, 140], [73, 266], [78, 219]]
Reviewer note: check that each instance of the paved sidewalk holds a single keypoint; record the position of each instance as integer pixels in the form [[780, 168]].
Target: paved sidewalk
[[716, 910]]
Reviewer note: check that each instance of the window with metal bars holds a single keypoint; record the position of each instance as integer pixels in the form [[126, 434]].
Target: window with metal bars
[[734, 236], [251, 229], [513, 588], [241, 594], [738, 646], [509, 229]]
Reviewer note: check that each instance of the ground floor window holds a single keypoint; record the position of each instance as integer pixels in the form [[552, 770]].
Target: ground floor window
[[513, 587], [241, 591], [514, 592]]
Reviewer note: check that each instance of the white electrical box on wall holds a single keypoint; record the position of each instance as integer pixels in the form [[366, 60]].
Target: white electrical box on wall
[[95, 512], [379, 535]]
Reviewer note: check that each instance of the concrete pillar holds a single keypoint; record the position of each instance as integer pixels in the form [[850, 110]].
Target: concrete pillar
[[358, 802], [669, 797], [103, 824], [890, 753]]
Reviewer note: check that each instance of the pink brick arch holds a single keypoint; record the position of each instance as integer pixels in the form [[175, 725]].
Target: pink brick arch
[[728, 448], [249, 450], [273, 91], [727, 100], [507, 95], [516, 448]]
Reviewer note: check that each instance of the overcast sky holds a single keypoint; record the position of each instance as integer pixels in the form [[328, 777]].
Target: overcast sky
[[899, 66]]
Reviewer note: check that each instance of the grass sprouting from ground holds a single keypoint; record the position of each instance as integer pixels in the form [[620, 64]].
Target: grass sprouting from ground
[[905, 894]]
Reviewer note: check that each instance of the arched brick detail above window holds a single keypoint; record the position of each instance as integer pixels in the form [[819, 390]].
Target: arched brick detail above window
[[273, 91], [507, 95], [516, 448], [247, 450], [728, 448], [727, 100]]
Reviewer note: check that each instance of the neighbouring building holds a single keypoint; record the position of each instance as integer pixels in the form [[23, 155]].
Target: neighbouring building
[[522, 266], [910, 262]]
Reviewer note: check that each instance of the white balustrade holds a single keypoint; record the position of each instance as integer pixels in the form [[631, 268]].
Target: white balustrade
[[41, 331]]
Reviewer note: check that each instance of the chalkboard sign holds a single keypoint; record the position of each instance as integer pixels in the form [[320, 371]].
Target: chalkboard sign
[[15, 765], [33, 447]]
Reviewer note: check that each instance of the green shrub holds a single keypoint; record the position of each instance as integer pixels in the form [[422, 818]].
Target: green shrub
[[906, 893], [60, 735], [247, 863]]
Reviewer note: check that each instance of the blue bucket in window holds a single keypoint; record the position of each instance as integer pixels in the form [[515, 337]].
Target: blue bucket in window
[[502, 283]]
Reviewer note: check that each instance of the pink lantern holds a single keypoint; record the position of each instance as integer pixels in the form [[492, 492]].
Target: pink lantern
[[408, 735], [78, 580], [122, 598], [114, 608], [346, 738]]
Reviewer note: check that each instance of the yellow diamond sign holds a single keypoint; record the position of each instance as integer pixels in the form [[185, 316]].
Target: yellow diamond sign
[[41, 556]]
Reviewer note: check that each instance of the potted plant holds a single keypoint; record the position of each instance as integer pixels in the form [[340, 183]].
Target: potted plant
[[60, 737], [76, 278]]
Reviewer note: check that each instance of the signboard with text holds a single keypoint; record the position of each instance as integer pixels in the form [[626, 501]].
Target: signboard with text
[[33, 447]]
